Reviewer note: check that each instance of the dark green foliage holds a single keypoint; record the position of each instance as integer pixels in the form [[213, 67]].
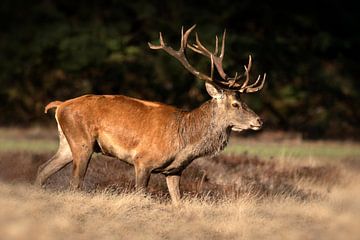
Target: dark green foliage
[[54, 50]]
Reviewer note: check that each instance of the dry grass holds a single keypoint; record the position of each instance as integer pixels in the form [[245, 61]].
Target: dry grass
[[31, 213]]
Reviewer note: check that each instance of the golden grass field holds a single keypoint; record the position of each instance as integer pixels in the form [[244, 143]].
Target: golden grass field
[[260, 188]]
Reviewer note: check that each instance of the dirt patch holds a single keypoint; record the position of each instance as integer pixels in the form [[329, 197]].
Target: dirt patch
[[217, 178]]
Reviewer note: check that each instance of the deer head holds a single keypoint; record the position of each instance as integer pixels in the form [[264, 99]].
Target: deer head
[[224, 91]]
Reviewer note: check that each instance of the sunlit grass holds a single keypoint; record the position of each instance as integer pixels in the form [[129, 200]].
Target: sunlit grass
[[41, 140], [28, 145], [303, 150], [35, 140], [261, 149]]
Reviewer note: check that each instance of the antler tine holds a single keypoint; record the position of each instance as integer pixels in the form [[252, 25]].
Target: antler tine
[[162, 44], [232, 81], [212, 68], [200, 48], [247, 73], [249, 63], [223, 45], [216, 45], [184, 37]]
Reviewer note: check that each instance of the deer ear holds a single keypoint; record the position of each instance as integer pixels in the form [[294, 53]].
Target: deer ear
[[213, 90]]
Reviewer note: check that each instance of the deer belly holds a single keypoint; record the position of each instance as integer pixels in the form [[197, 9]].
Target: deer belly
[[112, 146]]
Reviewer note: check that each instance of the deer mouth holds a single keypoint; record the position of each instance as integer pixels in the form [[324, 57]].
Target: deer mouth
[[239, 129], [254, 127]]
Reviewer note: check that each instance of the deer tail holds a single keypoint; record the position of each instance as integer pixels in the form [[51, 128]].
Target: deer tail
[[52, 105]]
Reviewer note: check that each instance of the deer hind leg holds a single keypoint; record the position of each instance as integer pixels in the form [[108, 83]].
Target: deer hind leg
[[62, 157], [82, 151], [142, 176], [82, 148]]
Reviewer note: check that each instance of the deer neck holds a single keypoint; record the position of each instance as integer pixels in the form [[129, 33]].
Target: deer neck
[[205, 130]]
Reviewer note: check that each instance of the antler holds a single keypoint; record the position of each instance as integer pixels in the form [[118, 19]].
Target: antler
[[217, 59], [226, 82]]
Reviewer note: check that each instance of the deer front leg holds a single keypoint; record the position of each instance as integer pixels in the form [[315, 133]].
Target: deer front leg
[[173, 183]]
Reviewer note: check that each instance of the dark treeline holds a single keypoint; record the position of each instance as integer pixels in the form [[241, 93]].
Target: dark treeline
[[55, 50]]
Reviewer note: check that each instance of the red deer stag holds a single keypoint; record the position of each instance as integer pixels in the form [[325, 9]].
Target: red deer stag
[[154, 137]]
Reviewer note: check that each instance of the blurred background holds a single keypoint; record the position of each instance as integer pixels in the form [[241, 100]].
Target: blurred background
[[55, 50]]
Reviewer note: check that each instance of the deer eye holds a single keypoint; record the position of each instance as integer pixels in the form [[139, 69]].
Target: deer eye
[[235, 105]]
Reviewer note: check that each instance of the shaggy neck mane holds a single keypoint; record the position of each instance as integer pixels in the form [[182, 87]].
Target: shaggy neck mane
[[204, 130]]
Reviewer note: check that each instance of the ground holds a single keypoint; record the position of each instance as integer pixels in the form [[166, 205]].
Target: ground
[[266, 187]]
